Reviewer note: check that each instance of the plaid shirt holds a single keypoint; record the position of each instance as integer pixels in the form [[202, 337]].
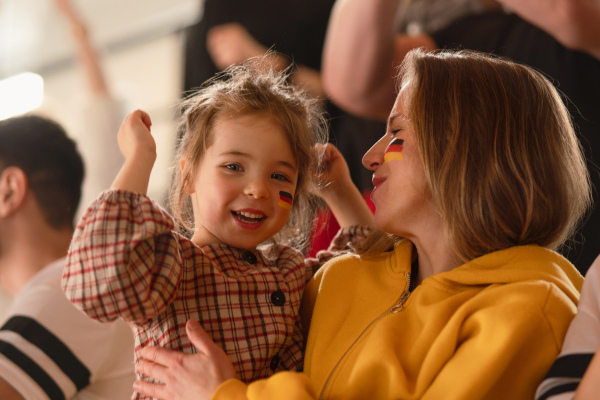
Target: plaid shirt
[[126, 261]]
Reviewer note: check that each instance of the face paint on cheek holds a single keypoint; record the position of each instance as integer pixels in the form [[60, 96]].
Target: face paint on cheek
[[285, 200], [394, 150]]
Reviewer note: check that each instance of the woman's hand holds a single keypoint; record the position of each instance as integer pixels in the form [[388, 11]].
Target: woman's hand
[[184, 376]]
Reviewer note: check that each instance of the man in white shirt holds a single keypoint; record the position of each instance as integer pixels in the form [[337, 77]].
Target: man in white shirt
[[48, 349]]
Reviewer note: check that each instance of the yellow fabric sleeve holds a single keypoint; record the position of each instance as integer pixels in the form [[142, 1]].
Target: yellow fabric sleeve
[[283, 385]]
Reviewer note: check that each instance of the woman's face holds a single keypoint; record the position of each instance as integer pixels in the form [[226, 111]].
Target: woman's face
[[400, 187]]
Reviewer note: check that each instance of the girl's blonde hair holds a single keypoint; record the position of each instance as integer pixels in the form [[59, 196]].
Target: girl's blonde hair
[[241, 89], [502, 160]]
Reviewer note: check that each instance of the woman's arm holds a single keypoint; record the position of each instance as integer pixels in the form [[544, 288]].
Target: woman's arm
[[209, 374]]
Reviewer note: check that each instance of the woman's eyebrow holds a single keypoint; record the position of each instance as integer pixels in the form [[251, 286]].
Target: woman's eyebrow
[[391, 119]]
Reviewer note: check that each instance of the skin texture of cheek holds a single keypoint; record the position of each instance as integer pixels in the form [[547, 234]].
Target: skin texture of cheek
[[394, 150], [285, 200]]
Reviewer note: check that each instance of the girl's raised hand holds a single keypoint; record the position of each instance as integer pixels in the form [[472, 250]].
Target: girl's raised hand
[[138, 147], [135, 139], [337, 189], [184, 376], [334, 173]]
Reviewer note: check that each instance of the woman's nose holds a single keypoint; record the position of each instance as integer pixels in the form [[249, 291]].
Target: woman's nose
[[373, 158]]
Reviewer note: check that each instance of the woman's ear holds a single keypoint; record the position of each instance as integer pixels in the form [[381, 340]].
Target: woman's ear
[[13, 187], [186, 177]]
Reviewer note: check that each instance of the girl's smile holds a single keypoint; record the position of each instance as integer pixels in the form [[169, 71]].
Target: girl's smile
[[237, 186]]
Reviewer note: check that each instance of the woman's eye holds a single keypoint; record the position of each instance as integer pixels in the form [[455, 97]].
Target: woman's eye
[[394, 132], [280, 177]]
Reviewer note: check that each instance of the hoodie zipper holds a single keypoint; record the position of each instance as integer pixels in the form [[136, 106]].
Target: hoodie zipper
[[396, 308]]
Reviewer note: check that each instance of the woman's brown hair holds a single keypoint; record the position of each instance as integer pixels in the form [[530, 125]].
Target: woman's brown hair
[[502, 160], [249, 88]]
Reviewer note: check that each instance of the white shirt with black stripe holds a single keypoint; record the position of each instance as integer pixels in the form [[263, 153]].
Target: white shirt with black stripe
[[51, 350], [581, 342]]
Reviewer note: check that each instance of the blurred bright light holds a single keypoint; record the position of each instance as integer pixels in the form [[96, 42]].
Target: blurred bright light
[[20, 93]]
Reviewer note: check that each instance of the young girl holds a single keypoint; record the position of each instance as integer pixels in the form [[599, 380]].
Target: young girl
[[243, 170]]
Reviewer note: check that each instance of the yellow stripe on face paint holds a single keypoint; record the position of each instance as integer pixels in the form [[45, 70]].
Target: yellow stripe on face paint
[[285, 204], [392, 155]]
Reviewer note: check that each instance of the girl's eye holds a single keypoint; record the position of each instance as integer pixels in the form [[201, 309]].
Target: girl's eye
[[233, 167], [280, 177]]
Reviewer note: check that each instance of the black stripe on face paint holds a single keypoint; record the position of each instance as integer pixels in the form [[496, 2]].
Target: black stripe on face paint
[[286, 194], [55, 349]]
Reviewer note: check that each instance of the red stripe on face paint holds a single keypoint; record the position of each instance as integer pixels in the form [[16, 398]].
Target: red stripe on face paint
[[394, 148], [285, 196]]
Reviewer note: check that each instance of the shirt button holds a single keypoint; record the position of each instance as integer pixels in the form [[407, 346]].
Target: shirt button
[[278, 298], [275, 363], [249, 257]]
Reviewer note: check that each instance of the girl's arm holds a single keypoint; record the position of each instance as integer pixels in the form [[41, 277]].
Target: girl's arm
[[341, 194], [123, 258], [139, 149]]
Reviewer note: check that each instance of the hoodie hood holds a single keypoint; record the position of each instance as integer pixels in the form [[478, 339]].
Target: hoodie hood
[[516, 264]]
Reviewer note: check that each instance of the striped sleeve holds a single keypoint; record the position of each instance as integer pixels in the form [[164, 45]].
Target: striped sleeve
[[123, 260], [41, 365], [564, 377]]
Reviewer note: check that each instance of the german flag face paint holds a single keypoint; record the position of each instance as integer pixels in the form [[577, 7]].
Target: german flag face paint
[[394, 150], [285, 200]]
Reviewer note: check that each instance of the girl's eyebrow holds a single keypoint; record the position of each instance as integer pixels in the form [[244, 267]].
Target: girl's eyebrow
[[246, 155]]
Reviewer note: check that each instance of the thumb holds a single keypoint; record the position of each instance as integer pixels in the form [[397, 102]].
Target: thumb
[[198, 336]]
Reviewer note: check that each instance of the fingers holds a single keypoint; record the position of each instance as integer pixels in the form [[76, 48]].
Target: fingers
[[146, 119], [139, 115], [199, 338], [159, 355], [151, 369], [154, 390]]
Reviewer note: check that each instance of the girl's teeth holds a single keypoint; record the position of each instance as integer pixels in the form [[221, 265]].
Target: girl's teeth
[[250, 215]]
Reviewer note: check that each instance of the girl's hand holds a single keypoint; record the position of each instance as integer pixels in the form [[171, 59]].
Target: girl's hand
[[334, 173], [184, 376], [338, 190], [135, 139]]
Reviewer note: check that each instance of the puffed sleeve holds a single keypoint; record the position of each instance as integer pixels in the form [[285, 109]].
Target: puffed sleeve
[[124, 259]]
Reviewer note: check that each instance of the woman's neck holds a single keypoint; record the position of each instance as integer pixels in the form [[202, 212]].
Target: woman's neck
[[433, 256]]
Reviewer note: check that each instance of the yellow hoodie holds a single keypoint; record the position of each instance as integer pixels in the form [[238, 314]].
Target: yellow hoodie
[[489, 329]]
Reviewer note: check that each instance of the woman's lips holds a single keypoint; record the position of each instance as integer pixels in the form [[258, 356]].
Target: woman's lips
[[377, 180]]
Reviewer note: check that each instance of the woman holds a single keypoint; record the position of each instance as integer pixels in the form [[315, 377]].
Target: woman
[[478, 180]]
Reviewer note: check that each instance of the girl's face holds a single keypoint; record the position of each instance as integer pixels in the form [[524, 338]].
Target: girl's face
[[243, 183], [400, 186]]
